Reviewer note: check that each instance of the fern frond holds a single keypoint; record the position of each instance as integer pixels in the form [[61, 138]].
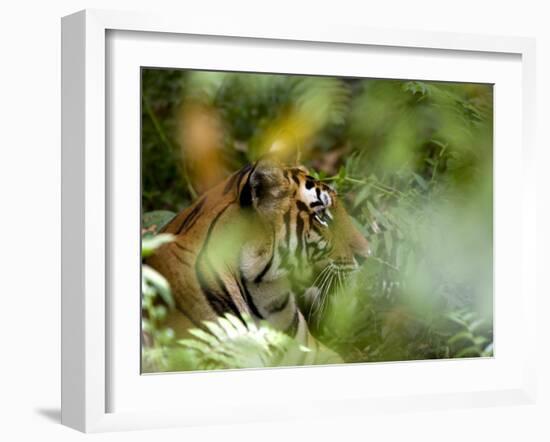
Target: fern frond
[[232, 343]]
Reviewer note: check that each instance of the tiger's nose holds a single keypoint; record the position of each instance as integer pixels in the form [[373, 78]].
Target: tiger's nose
[[361, 255], [360, 247], [360, 258]]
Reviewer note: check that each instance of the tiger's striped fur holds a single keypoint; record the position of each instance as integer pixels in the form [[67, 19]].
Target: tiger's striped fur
[[247, 243]]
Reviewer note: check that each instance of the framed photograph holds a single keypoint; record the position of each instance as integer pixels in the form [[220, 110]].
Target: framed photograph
[[249, 211]]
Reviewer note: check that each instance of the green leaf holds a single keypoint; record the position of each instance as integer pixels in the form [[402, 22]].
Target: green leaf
[[149, 244], [194, 344], [151, 278], [421, 181], [237, 323], [480, 340], [204, 336], [359, 226], [216, 330], [378, 215], [388, 241], [156, 220], [462, 336], [476, 325], [232, 344], [362, 195], [457, 320], [468, 351]]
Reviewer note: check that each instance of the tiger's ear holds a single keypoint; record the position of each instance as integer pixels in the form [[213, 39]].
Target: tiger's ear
[[265, 186]]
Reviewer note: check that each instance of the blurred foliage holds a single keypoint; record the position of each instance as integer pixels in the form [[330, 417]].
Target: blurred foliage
[[156, 339], [231, 344], [412, 161]]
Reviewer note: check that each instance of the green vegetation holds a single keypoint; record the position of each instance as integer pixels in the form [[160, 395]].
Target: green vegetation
[[412, 161]]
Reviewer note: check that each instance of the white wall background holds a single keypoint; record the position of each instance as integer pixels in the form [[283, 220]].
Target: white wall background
[[30, 215]]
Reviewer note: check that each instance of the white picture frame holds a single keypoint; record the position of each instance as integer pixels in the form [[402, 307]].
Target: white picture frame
[[87, 234]]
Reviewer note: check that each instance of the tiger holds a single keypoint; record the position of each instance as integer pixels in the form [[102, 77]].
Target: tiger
[[251, 245]]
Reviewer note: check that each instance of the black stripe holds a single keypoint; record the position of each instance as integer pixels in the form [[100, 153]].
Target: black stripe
[[236, 177], [312, 249], [302, 206], [318, 192], [293, 327], [245, 195], [220, 302], [314, 226], [286, 219], [182, 248], [299, 234], [279, 304], [179, 258], [241, 289], [215, 301], [250, 301], [259, 277], [295, 178], [316, 203], [230, 182], [228, 300], [244, 170], [287, 173], [191, 218]]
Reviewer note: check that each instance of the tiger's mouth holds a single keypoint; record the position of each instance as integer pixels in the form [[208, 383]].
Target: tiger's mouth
[[331, 279]]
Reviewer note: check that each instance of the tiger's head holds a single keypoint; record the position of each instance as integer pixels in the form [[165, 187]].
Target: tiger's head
[[313, 237]]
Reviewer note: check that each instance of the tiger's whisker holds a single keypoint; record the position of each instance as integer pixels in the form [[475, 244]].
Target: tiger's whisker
[[326, 291], [324, 301], [319, 276], [322, 290]]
